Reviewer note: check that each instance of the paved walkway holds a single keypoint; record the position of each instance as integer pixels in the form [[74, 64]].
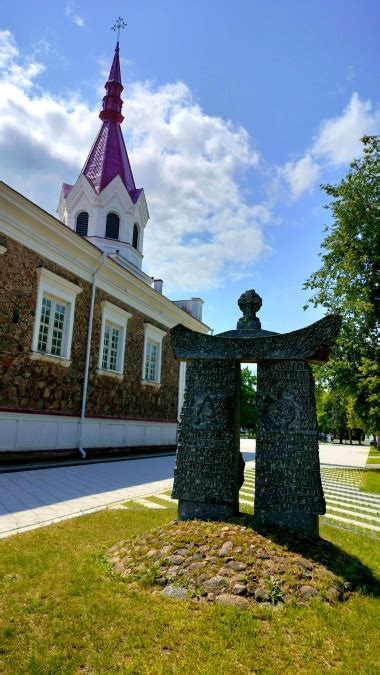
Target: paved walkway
[[34, 498]]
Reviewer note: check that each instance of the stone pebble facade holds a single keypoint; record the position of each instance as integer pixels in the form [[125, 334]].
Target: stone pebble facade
[[27, 385]]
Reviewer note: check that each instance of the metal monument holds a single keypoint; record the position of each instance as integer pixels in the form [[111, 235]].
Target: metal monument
[[209, 467]]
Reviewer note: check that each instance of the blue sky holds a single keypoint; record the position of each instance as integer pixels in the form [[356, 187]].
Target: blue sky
[[234, 114]]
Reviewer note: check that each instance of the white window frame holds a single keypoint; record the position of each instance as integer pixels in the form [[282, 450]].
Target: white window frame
[[153, 334], [117, 317], [58, 289], [181, 387]]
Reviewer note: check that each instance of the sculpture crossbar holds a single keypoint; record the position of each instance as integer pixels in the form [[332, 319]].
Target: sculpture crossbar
[[209, 467]]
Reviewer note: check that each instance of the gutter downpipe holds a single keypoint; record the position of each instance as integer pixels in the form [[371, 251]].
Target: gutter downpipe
[[82, 452]]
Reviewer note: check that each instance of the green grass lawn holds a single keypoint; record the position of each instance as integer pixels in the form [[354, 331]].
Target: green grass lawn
[[371, 481], [63, 612], [373, 456]]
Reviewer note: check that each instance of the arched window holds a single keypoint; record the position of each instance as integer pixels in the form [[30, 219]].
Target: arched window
[[112, 226], [82, 223], [135, 239]]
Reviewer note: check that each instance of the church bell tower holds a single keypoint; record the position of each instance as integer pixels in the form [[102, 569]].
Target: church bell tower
[[104, 205]]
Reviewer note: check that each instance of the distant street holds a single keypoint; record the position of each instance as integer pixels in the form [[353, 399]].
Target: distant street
[[332, 454]]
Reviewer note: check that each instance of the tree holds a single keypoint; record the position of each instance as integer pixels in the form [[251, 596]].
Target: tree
[[248, 399], [348, 283]]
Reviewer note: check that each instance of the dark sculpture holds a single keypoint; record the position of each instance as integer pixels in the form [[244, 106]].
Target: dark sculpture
[[208, 474], [249, 303]]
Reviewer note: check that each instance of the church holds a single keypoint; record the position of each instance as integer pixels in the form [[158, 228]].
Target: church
[[85, 355]]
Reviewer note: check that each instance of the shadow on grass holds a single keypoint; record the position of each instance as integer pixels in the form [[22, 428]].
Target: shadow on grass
[[356, 575]]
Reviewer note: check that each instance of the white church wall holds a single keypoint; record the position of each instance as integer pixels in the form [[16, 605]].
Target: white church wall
[[23, 431]]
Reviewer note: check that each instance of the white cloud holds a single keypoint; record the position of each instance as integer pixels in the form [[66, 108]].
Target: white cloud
[[202, 230], [337, 142], [338, 139], [13, 69], [188, 163], [75, 18], [301, 176], [8, 49]]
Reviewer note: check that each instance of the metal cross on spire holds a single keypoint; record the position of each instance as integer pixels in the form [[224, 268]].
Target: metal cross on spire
[[118, 26]]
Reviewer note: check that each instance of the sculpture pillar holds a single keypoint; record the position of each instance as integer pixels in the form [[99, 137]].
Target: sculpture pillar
[[206, 478], [288, 491]]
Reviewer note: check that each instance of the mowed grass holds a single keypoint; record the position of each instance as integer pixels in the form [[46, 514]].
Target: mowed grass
[[63, 611], [373, 456], [371, 481]]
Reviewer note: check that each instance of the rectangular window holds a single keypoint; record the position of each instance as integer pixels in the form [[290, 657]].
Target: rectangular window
[[53, 323], [151, 361], [54, 318], [151, 370], [113, 334], [111, 347]]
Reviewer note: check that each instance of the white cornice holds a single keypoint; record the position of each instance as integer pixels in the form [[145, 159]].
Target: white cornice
[[47, 276], [36, 229]]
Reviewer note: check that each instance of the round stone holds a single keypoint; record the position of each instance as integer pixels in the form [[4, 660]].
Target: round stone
[[309, 592], [153, 552], [237, 566], [176, 559], [332, 595], [306, 564], [172, 571], [225, 572], [260, 595], [226, 549], [214, 582], [196, 566], [239, 589], [175, 592], [229, 600]]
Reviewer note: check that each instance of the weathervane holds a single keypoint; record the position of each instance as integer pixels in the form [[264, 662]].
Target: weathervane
[[118, 26]]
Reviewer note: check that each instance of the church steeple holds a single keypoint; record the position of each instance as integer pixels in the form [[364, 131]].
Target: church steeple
[[112, 102], [104, 205], [108, 156]]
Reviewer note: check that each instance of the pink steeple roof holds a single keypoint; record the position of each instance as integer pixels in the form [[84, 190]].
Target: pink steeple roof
[[115, 74], [108, 156]]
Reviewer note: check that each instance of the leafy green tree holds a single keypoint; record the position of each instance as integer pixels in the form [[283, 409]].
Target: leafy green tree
[[248, 399], [348, 283], [323, 404], [331, 412]]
